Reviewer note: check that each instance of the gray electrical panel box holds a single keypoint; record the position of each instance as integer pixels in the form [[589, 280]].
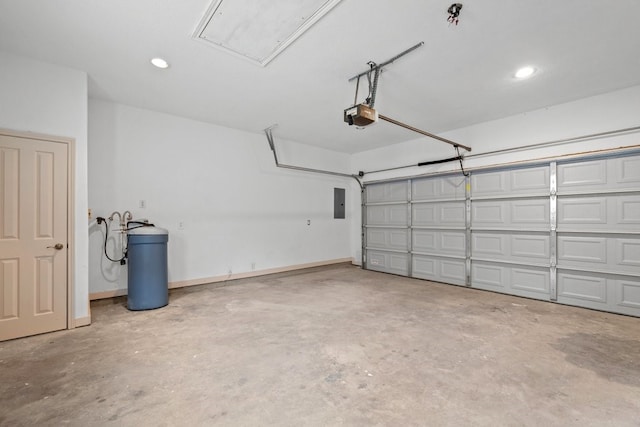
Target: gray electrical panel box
[[338, 203]]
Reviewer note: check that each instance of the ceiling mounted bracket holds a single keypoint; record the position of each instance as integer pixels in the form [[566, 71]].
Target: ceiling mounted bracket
[[387, 62], [364, 114]]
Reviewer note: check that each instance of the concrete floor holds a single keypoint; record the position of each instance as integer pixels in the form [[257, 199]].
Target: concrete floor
[[329, 347]]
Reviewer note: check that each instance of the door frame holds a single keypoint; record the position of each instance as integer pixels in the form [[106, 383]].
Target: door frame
[[71, 155]]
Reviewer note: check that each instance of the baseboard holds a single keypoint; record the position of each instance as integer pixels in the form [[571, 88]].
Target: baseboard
[[216, 279], [107, 294], [81, 321], [250, 274]]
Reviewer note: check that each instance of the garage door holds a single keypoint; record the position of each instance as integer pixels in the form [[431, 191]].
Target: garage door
[[386, 238], [566, 231], [510, 231], [599, 234]]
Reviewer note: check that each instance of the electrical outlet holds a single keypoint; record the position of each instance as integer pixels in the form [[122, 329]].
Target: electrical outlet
[[253, 266], [308, 222], [142, 204], [180, 225]]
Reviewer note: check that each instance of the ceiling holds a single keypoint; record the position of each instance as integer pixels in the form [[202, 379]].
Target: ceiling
[[461, 76]]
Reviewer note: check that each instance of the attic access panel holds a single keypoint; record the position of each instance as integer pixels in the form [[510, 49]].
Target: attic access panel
[[259, 30]]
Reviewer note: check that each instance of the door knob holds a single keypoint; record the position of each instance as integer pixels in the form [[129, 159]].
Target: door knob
[[57, 246]]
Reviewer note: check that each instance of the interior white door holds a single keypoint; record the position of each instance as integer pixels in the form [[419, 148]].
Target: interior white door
[[33, 236]]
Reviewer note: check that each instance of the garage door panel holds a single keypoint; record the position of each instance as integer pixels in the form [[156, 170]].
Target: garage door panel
[[583, 174], [600, 175], [453, 271], [530, 246], [628, 210], [615, 293], [425, 240], [439, 269], [488, 245], [439, 242], [438, 188], [628, 293], [628, 171], [599, 252], [582, 249], [388, 262], [382, 238], [527, 214], [628, 252], [612, 213], [530, 212], [391, 215], [529, 180], [439, 214], [425, 189], [574, 287], [582, 211], [452, 214], [387, 192], [521, 280], [488, 276], [454, 243], [511, 247], [424, 267], [424, 214], [530, 280], [488, 183], [488, 213], [516, 182]]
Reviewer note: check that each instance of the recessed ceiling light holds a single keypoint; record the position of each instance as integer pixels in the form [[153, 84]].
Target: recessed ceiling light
[[525, 72], [160, 63]]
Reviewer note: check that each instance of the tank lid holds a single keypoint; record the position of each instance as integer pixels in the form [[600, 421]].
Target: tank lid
[[147, 230]]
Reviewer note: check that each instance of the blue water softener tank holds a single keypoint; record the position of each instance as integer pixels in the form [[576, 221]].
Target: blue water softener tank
[[148, 284]]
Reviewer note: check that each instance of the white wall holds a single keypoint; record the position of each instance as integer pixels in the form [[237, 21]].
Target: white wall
[[44, 98], [240, 212], [611, 111], [602, 113], [237, 208]]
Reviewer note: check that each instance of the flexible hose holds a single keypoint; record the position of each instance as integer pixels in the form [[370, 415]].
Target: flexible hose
[[101, 220]]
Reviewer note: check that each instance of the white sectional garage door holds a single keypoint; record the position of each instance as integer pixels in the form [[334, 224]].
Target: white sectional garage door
[[566, 231], [510, 234], [599, 234]]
